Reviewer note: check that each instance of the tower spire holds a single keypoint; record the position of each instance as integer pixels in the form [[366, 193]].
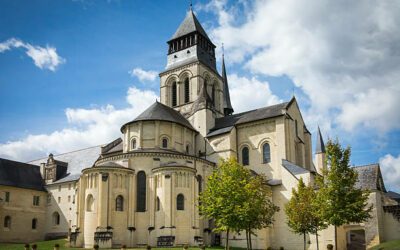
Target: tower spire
[[320, 146], [228, 110]]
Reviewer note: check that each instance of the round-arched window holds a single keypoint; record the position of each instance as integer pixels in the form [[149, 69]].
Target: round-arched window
[[56, 219], [164, 142], [266, 153], [119, 203], [133, 144], [180, 202], [89, 203], [245, 156]]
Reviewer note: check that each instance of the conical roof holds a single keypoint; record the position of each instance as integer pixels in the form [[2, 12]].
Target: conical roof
[[161, 112], [320, 147], [227, 99], [190, 24]]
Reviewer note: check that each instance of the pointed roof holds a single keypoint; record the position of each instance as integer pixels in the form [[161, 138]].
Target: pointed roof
[[190, 24], [320, 146], [227, 99], [161, 112]]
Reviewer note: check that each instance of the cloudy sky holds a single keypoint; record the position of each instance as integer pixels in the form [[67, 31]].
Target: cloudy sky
[[72, 72]]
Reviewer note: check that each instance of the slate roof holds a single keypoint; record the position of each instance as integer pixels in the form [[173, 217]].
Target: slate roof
[[369, 177], [393, 195], [19, 174], [112, 147], [248, 116], [77, 161], [227, 99], [190, 24], [293, 168], [161, 112]]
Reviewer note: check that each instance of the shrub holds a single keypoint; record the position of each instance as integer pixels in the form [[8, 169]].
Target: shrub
[[329, 247], [57, 245], [281, 248], [96, 247], [148, 247]]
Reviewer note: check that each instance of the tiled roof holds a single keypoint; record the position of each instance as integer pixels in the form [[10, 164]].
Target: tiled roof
[[248, 116], [161, 112], [190, 24], [369, 177], [77, 160], [19, 174]]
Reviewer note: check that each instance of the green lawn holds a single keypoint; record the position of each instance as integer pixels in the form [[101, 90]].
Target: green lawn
[[48, 245], [390, 245]]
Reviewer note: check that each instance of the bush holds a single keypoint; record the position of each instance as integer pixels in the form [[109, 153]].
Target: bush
[[26, 245], [185, 246], [329, 247], [202, 247], [95, 246], [148, 247], [281, 248], [123, 246], [57, 245], [269, 248], [34, 247]]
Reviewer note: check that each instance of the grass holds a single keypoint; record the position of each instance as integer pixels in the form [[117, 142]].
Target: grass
[[390, 245], [49, 245]]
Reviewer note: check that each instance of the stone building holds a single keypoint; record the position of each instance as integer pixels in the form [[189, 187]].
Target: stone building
[[142, 188]]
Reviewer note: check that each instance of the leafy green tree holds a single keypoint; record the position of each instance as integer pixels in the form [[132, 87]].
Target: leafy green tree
[[236, 199], [302, 211], [259, 208], [341, 202]]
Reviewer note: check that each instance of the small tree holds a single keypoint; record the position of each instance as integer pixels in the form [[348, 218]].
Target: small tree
[[259, 208], [302, 212], [223, 197], [343, 203]]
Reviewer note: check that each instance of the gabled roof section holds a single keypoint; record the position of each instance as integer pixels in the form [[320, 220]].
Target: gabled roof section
[[293, 168], [77, 160], [19, 174], [248, 116], [114, 146], [190, 24], [161, 112], [320, 146], [370, 177]]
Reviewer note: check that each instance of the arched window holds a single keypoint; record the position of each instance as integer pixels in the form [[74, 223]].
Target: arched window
[[164, 142], [7, 222], [133, 144], [245, 156], [187, 91], [187, 148], [173, 94], [158, 204], [200, 183], [34, 223], [56, 219], [89, 203], [119, 203], [180, 202], [141, 192], [266, 153]]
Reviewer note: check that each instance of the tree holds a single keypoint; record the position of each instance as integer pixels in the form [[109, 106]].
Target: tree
[[302, 212], [342, 203], [259, 209], [236, 199]]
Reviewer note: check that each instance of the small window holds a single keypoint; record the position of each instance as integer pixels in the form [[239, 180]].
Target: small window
[[173, 94], [7, 222], [187, 90], [133, 144], [59, 199], [7, 197], [119, 203], [187, 149], [158, 204], [141, 192], [165, 142], [266, 153], [89, 203], [36, 200], [34, 223], [245, 156], [180, 202], [213, 95], [200, 183], [56, 219]]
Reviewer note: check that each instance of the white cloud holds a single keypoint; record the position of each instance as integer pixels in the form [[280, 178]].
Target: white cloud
[[144, 75], [86, 127], [390, 167], [243, 89], [344, 57], [44, 58]]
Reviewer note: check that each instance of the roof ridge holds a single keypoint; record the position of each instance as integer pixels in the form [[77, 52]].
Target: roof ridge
[[74, 151]]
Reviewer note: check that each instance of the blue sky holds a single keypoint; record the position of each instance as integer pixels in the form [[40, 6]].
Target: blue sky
[[72, 72]]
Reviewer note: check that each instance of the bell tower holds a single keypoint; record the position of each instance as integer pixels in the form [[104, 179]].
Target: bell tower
[[190, 82]]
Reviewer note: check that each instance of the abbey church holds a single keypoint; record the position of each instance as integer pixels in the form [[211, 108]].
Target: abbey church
[[142, 188]]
